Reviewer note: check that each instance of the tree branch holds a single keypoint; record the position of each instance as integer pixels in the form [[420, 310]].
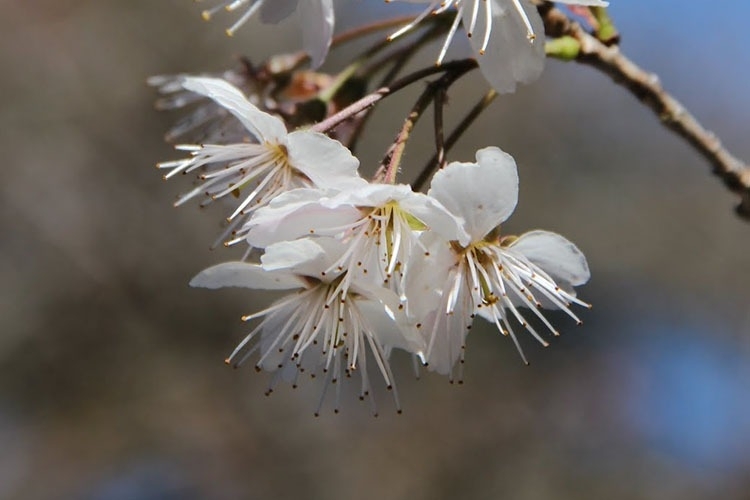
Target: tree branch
[[646, 87], [459, 67], [435, 89], [462, 127]]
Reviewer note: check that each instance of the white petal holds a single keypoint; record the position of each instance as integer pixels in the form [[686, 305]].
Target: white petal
[[295, 214], [483, 194], [427, 274], [450, 336], [305, 257], [435, 216], [555, 255], [423, 207], [371, 195], [317, 20], [263, 126], [387, 320], [430, 281], [245, 275], [510, 56], [275, 11], [290, 254], [327, 162]]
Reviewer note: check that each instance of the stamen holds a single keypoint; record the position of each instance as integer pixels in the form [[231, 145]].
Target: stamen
[[509, 331], [529, 30], [235, 5], [326, 383], [243, 19], [488, 27], [379, 359], [429, 10], [208, 13], [449, 38], [474, 12]]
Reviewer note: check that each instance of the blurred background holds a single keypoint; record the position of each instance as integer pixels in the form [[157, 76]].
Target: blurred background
[[113, 385]]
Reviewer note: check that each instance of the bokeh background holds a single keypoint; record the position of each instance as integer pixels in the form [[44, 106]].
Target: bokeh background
[[112, 384]]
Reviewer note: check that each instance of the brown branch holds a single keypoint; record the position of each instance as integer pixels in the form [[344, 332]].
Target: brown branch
[[439, 105], [388, 169], [646, 87], [462, 127], [398, 60], [459, 67], [368, 29]]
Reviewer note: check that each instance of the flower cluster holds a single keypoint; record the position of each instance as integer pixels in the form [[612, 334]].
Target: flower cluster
[[509, 48], [369, 266]]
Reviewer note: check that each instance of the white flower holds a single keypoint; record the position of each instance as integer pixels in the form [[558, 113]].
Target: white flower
[[506, 35], [488, 273], [205, 121], [379, 223], [275, 162], [322, 326], [317, 20]]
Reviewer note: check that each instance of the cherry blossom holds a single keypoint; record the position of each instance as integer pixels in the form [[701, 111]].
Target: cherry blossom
[[270, 162], [507, 36], [379, 223], [488, 273], [317, 20], [322, 326]]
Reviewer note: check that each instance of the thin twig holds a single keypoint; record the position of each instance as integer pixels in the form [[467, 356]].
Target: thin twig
[[371, 28], [371, 99], [646, 87], [398, 60], [298, 59], [400, 57], [390, 165], [439, 105], [472, 115], [388, 169]]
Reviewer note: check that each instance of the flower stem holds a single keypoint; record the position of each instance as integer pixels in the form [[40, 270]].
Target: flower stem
[[389, 167]]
